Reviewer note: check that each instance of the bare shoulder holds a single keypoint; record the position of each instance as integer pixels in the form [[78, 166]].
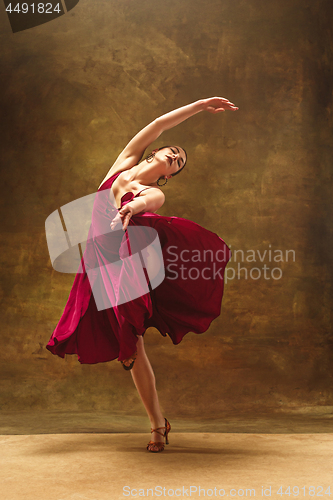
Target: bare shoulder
[[155, 192], [156, 189], [154, 198]]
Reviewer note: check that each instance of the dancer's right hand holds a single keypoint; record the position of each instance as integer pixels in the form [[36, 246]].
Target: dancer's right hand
[[218, 104], [123, 215]]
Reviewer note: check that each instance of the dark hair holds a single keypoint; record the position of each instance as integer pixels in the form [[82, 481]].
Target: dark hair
[[176, 173]]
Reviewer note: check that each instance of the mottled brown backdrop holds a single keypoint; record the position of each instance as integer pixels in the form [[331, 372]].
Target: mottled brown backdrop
[[75, 90]]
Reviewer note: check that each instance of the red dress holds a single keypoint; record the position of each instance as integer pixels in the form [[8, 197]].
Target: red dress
[[188, 299]]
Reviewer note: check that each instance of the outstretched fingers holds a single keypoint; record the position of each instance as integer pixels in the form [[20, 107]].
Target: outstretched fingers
[[121, 217], [219, 104]]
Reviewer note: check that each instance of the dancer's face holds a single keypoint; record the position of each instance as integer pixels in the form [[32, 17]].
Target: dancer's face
[[173, 157]]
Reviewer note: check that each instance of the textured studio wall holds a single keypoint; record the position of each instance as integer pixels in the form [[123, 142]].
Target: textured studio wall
[[75, 90]]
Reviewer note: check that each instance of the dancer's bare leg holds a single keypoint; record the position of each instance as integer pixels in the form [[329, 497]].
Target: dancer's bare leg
[[144, 380]]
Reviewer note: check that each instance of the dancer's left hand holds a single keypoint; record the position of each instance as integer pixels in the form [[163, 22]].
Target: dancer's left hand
[[124, 215], [218, 104]]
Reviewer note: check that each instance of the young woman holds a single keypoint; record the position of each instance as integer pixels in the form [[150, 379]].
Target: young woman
[[189, 297]]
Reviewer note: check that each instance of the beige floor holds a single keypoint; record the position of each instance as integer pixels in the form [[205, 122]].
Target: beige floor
[[100, 466]]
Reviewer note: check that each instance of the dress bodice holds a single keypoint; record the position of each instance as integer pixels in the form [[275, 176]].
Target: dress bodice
[[127, 197]]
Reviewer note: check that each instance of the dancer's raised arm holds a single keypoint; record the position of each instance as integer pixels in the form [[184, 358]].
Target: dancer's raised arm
[[134, 150]]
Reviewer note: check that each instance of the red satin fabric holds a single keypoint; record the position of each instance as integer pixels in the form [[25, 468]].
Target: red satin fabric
[[175, 307]]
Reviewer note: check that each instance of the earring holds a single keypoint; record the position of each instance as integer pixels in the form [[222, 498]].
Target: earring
[[150, 157], [166, 180]]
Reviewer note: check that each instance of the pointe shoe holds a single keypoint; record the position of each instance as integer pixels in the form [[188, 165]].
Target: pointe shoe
[[156, 447], [129, 367]]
